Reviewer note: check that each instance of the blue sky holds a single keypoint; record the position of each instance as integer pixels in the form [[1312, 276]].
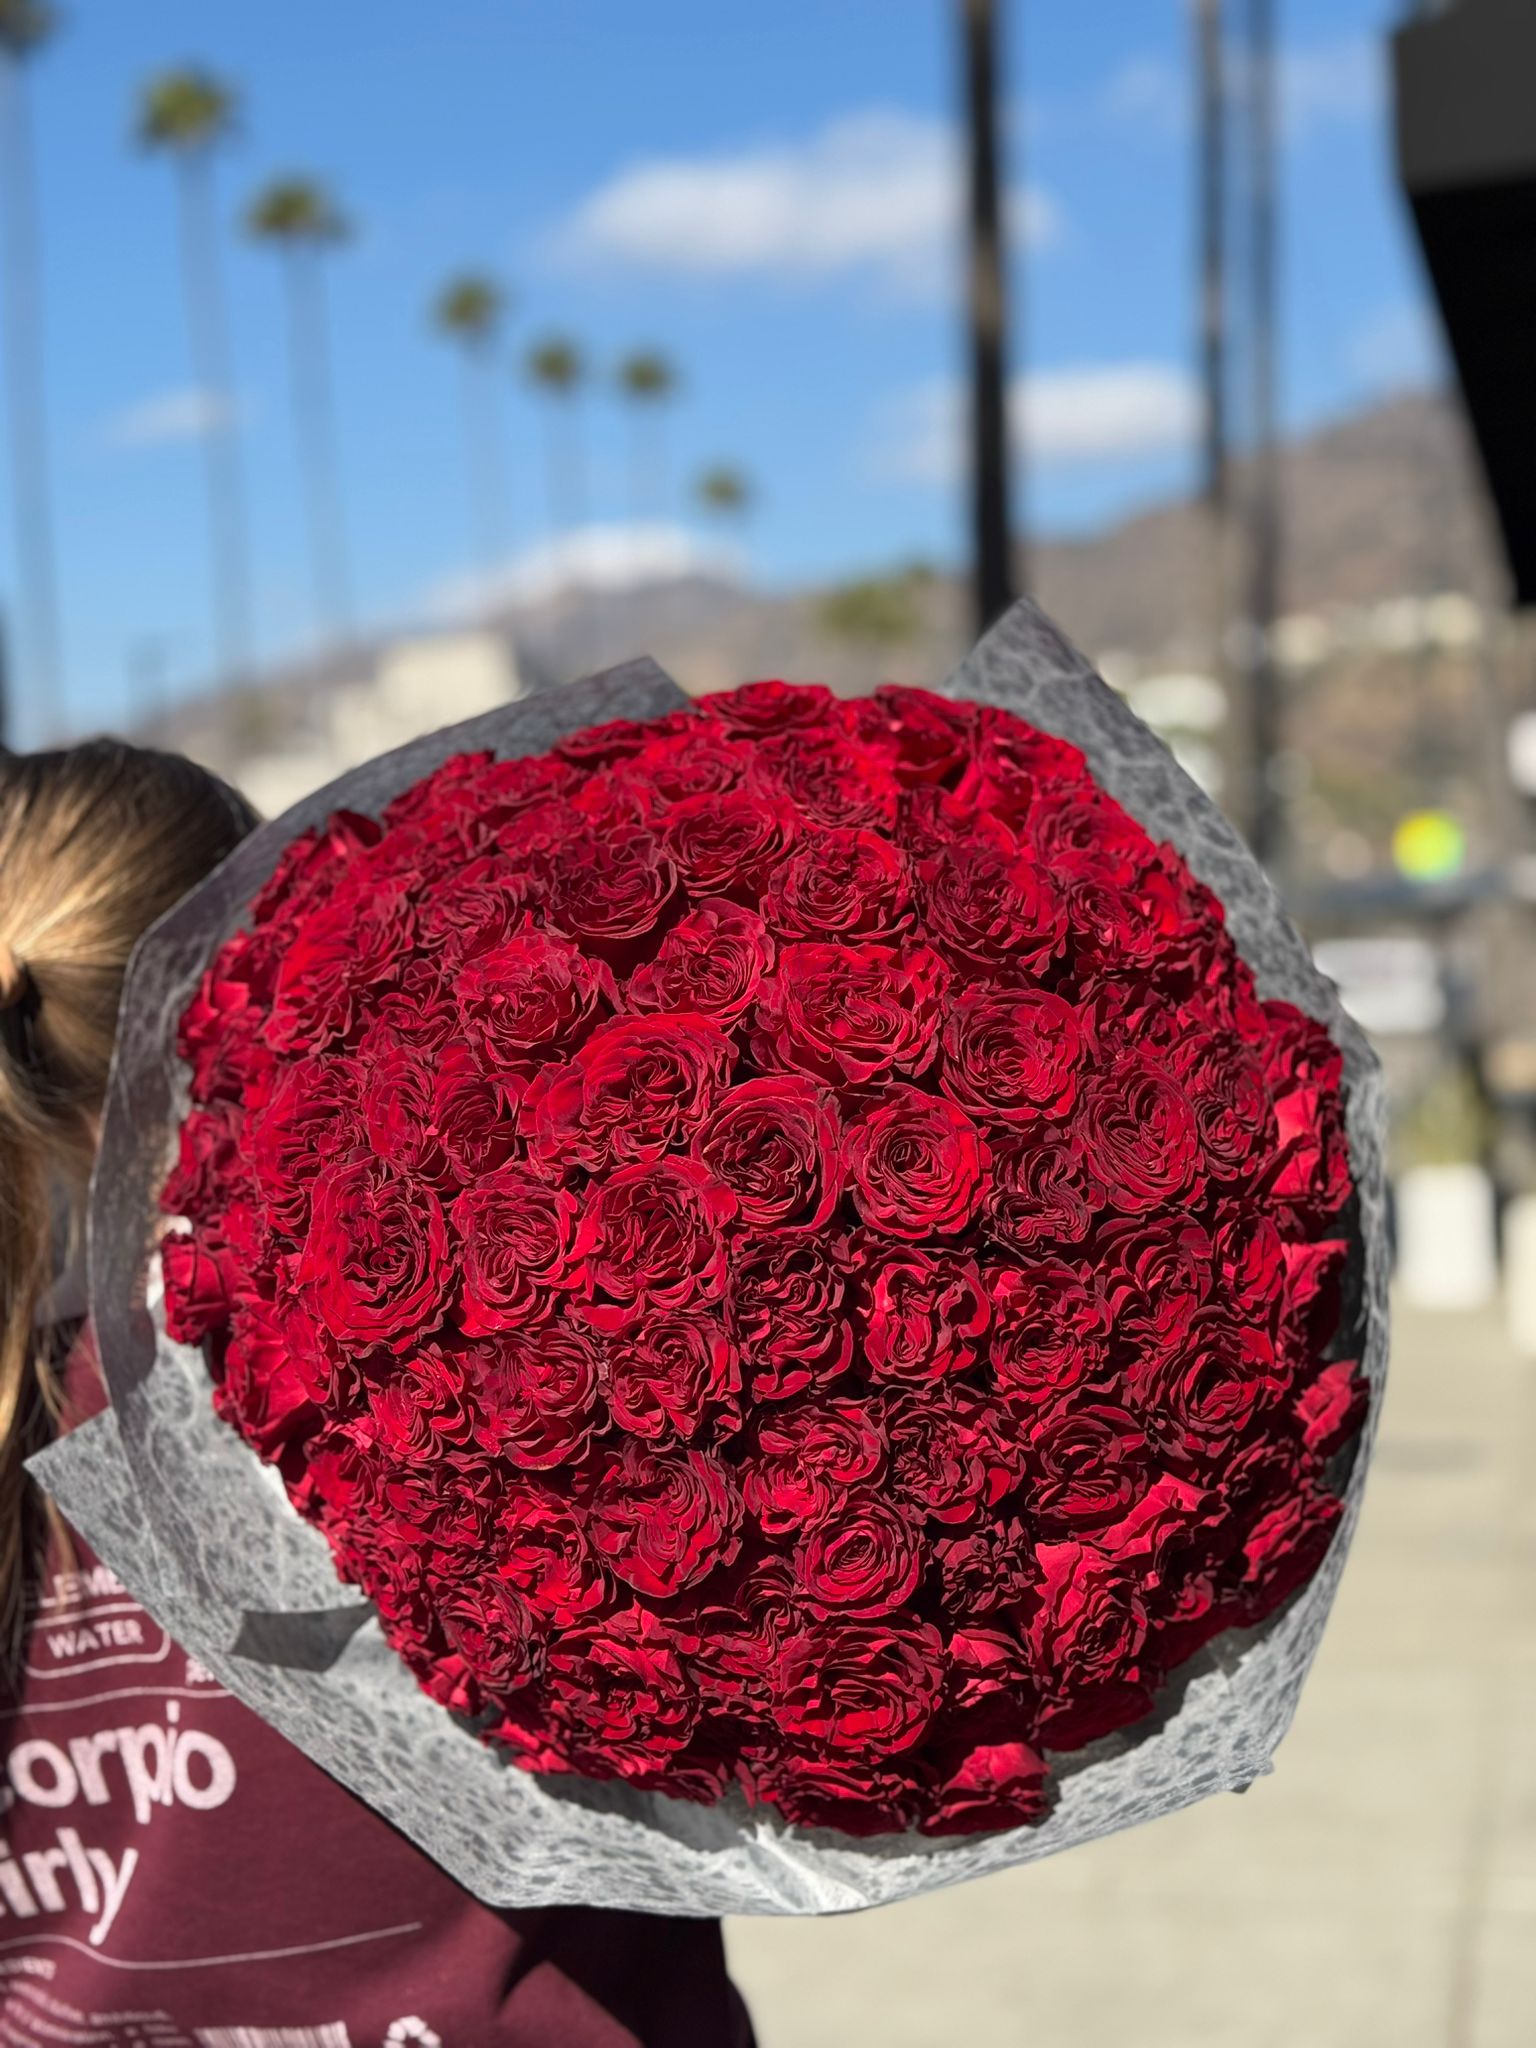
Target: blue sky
[[763, 192]]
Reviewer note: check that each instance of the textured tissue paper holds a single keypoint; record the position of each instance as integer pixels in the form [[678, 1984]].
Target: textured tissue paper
[[204, 1535]]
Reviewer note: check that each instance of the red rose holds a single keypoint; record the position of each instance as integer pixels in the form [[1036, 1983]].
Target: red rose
[[638, 1086], [991, 905], [1043, 1195], [923, 1314], [197, 1295], [785, 1304], [662, 1521], [515, 1235], [353, 946], [470, 1115], [492, 1630], [823, 1792], [859, 1689], [807, 1457], [734, 1630], [831, 781], [477, 910], [422, 1406], [1015, 768], [1012, 1056], [955, 1455], [541, 1548], [663, 1374], [776, 1143], [925, 738], [727, 842], [533, 1395], [622, 1693], [712, 961], [696, 760], [758, 708], [1085, 1641], [656, 1233], [1087, 1463], [1197, 1397], [374, 1268], [532, 996], [1285, 1547], [1304, 1070], [846, 884], [917, 1165], [1050, 1331], [1139, 1134], [850, 1014], [862, 1556], [208, 1168], [997, 1785], [310, 1117], [1226, 1090], [1332, 1408], [612, 889]]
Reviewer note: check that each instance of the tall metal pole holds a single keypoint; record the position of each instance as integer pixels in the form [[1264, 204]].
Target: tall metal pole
[[1264, 507], [1211, 169], [992, 536]]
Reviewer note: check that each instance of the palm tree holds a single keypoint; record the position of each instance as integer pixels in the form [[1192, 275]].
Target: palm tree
[[647, 381], [991, 451], [297, 217], [187, 114], [25, 26], [469, 312], [557, 369], [724, 492]]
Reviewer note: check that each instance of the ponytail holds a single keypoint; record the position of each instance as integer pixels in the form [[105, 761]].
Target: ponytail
[[96, 841]]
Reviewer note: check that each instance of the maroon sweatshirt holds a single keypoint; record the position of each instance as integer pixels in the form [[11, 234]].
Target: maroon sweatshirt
[[175, 1874]]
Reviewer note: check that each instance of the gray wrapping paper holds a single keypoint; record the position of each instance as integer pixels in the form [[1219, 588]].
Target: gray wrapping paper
[[205, 1537]]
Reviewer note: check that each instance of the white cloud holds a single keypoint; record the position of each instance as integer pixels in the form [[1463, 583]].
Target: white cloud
[[1398, 349], [1083, 413], [877, 192], [612, 557], [185, 415]]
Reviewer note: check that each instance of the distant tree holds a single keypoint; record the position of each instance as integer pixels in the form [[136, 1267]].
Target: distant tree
[[298, 218], [724, 492], [25, 26], [470, 312], [558, 371], [878, 611], [188, 115], [648, 382]]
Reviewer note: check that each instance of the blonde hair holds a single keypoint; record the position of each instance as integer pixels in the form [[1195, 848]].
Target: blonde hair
[[96, 841]]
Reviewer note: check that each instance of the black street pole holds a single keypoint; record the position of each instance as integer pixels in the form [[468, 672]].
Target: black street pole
[[1264, 510], [992, 536]]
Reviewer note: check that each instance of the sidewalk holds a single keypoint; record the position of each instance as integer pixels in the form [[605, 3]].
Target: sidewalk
[[1379, 1891]]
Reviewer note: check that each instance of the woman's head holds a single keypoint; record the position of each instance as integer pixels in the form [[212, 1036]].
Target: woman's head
[[96, 841]]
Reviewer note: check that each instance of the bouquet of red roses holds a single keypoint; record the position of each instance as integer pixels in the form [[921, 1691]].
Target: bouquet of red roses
[[784, 1249]]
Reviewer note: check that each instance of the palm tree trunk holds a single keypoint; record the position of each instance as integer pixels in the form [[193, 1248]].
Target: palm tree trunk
[[484, 463], [991, 453], [314, 427], [566, 465], [228, 545], [27, 402]]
